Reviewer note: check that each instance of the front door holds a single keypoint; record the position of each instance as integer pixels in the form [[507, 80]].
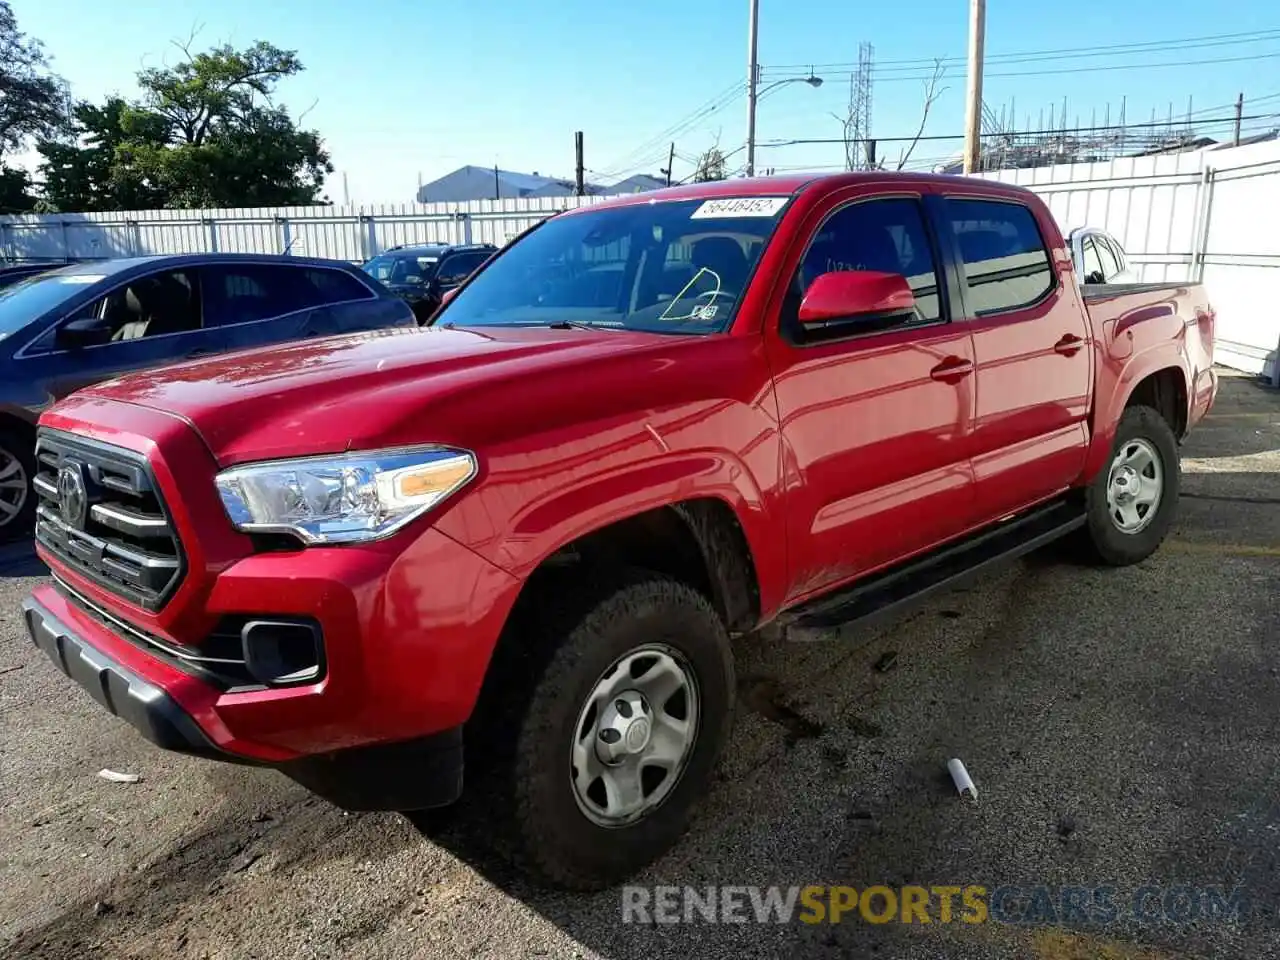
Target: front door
[[875, 424], [1033, 348], [148, 321]]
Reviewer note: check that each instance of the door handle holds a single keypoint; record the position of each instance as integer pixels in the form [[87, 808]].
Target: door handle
[[952, 370], [1069, 345]]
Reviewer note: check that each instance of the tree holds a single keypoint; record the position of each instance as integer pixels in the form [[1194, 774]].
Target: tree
[[204, 133], [85, 174], [711, 165], [15, 191], [32, 104], [931, 94], [32, 100]]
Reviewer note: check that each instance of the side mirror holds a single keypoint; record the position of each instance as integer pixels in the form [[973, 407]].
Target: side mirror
[[448, 295], [85, 332], [848, 296]]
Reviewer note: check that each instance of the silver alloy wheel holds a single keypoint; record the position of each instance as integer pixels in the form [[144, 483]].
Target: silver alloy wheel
[[634, 736], [13, 487], [1135, 486]]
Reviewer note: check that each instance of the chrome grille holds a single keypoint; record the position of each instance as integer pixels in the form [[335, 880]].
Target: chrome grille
[[101, 514]]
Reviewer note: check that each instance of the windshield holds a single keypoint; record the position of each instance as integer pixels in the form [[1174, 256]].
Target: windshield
[[665, 267], [30, 298], [401, 268]]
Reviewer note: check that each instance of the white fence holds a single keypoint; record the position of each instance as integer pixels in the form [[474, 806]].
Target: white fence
[[340, 233], [1206, 215]]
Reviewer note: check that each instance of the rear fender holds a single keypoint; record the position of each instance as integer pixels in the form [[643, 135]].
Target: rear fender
[[1125, 375]]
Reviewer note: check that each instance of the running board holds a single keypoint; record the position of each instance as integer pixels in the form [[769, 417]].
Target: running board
[[885, 593]]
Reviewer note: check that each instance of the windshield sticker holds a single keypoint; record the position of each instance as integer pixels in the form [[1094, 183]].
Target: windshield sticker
[[697, 311], [732, 207], [83, 278]]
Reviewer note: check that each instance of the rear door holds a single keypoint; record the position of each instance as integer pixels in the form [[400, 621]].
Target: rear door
[[1033, 349], [875, 422], [255, 304], [342, 303]]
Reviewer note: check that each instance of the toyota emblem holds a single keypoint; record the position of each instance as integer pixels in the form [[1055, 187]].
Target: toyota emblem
[[73, 498]]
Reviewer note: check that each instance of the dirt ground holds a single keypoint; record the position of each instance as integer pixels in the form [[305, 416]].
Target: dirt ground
[[1122, 726]]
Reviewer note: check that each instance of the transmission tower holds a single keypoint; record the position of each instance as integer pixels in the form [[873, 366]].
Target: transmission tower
[[859, 138]]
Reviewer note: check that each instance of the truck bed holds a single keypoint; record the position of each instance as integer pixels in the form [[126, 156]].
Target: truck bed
[[1132, 319]]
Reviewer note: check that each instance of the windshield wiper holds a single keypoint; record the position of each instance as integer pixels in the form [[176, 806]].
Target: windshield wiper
[[574, 325]]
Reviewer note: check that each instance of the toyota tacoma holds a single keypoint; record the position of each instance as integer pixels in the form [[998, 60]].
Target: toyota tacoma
[[526, 535]]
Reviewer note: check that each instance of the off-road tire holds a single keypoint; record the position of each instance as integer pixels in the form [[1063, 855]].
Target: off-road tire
[[575, 627], [1104, 542]]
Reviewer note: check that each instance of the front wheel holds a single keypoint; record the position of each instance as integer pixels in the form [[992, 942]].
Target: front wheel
[[17, 501], [621, 730], [1132, 501]]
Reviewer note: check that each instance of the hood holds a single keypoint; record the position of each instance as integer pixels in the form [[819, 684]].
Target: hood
[[366, 390]]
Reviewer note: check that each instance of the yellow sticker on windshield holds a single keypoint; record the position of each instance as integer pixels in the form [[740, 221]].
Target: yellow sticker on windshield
[[723, 208]]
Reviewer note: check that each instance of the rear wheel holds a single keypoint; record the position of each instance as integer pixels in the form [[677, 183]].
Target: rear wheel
[[17, 502], [1132, 501], [618, 734]]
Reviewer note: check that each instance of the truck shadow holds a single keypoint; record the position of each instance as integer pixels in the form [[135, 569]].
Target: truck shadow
[[261, 832]]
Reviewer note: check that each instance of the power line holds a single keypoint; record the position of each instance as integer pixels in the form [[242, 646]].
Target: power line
[[706, 110], [1222, 39], [1160, 125], [1094, 69]]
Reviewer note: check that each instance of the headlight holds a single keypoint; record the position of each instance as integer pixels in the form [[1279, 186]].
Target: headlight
[[347, 498]]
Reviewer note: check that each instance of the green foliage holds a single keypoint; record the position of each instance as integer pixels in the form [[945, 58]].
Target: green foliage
[[15, 191], [711, 166], [203, 134], [32, 104], [32, 99]]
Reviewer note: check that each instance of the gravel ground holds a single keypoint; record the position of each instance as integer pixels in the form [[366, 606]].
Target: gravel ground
[[1123, 728]]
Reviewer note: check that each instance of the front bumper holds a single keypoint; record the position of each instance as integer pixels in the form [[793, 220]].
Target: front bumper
[[138, 702], [407, 775]]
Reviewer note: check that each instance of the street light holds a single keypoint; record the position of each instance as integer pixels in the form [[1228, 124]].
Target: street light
[[754, 97], [753, 77]]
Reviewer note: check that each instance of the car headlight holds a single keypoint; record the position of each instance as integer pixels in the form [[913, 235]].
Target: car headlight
[[346, 498]]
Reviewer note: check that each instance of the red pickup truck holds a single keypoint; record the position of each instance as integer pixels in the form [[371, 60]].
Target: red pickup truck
[[535, 526]]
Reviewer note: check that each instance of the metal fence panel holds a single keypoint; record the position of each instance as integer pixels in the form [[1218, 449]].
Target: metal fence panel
[[1194, 215]]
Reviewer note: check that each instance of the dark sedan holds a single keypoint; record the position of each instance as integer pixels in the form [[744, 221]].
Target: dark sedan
[[66, 328]]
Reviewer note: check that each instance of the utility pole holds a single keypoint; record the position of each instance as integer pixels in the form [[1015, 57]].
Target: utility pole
[[497, 187], [973, 95], [753, 76], [671, 162], [1235, 139], [579, 185]]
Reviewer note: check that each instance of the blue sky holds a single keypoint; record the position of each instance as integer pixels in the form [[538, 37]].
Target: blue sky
[[400, 88]]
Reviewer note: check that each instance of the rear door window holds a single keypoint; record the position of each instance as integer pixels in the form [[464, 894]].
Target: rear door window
[[1006, 262], [321, 286], [245, 293]]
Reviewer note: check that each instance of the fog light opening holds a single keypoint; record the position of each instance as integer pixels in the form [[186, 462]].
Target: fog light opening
[[282, 652]]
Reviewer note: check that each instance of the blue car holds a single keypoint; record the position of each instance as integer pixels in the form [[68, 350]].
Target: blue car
[[63, 329]]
